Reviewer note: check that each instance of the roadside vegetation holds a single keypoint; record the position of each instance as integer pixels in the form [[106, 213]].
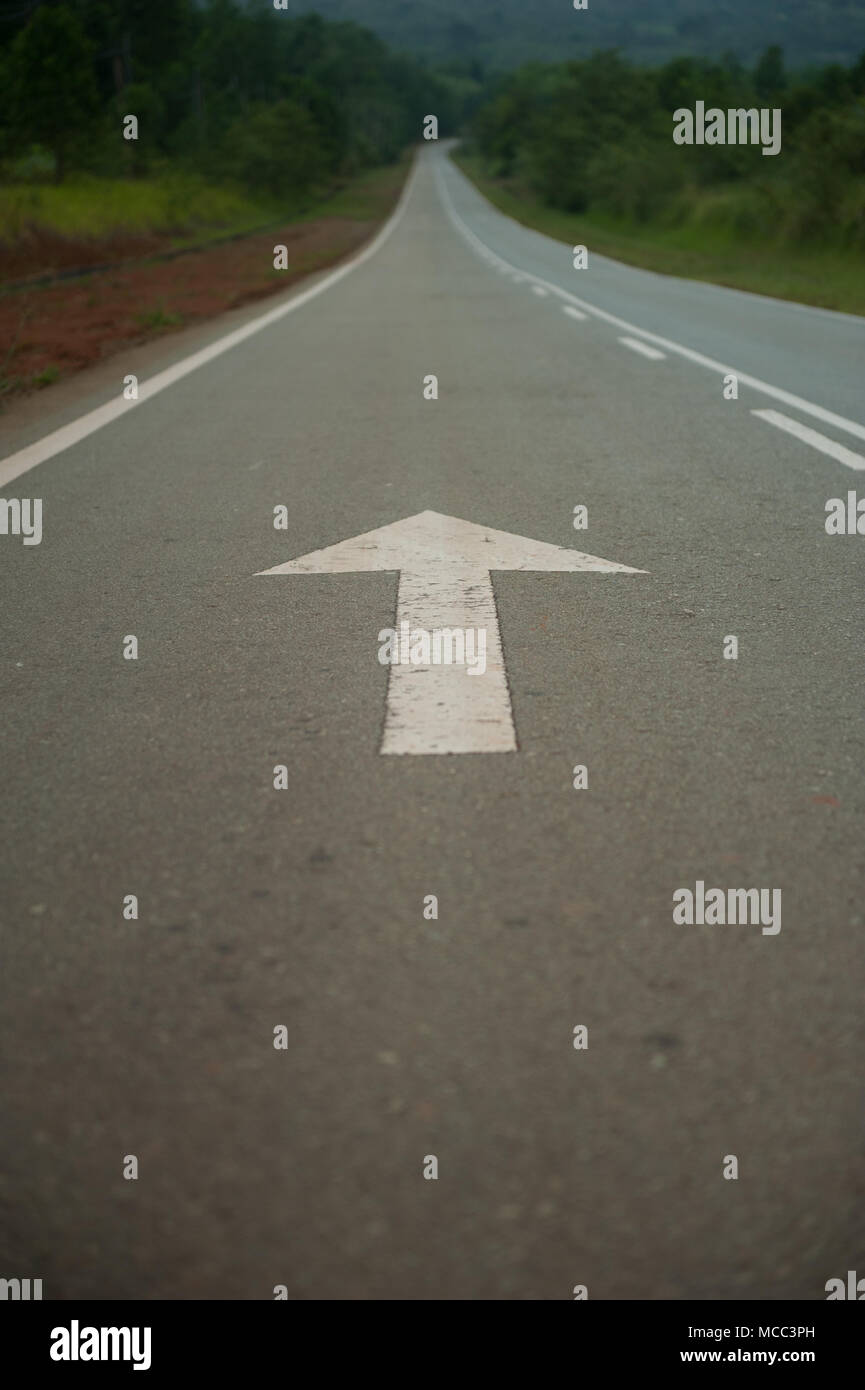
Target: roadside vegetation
[[245, 115], [87, 206], [49, 331], [584, 152], [253, 128]]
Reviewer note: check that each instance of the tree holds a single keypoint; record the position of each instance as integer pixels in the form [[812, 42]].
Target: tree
[[276, 149], [53, 96], [770, 79]]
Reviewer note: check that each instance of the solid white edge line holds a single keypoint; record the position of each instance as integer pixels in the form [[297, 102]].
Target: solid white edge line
[[636, 346], [61, 439], [812, 437], [787, 397]]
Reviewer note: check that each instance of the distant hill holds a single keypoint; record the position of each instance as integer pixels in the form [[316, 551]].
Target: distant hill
[[504, 33]]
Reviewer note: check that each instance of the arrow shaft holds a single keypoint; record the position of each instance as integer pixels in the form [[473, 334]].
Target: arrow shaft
[[439, 707]]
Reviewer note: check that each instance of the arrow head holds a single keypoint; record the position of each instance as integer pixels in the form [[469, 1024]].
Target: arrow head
[[429, 540]]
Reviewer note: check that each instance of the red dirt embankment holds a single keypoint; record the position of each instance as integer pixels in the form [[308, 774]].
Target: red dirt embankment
[[49, 331]]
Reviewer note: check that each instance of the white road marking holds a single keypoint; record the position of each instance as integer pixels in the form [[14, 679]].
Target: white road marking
[[787, 397], [444, 569], [637, 346], [25, 459], [573, 313], [442, 709], [812, 437], [539, 289]]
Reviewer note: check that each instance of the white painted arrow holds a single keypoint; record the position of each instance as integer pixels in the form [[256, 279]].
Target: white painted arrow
[[444, 569]]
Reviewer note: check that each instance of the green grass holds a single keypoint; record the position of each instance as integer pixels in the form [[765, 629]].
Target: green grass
[[11, 385], [86, 206], [183, 207], [46, 377], [159, 317], [694, 249]]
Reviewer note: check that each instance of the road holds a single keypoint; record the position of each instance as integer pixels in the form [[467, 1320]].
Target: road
[[407, 1036]]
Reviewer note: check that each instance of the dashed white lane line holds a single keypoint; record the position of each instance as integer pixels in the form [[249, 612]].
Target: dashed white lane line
[[539, 289], [812, 437], [828, 417], [573, 313], [25, 459], [637, 346]]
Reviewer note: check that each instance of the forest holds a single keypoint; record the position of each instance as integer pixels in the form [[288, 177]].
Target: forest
[[276, 102], [595, 138]]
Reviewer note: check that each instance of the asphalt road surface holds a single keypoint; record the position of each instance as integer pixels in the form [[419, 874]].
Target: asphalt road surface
[[410, 1037]]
